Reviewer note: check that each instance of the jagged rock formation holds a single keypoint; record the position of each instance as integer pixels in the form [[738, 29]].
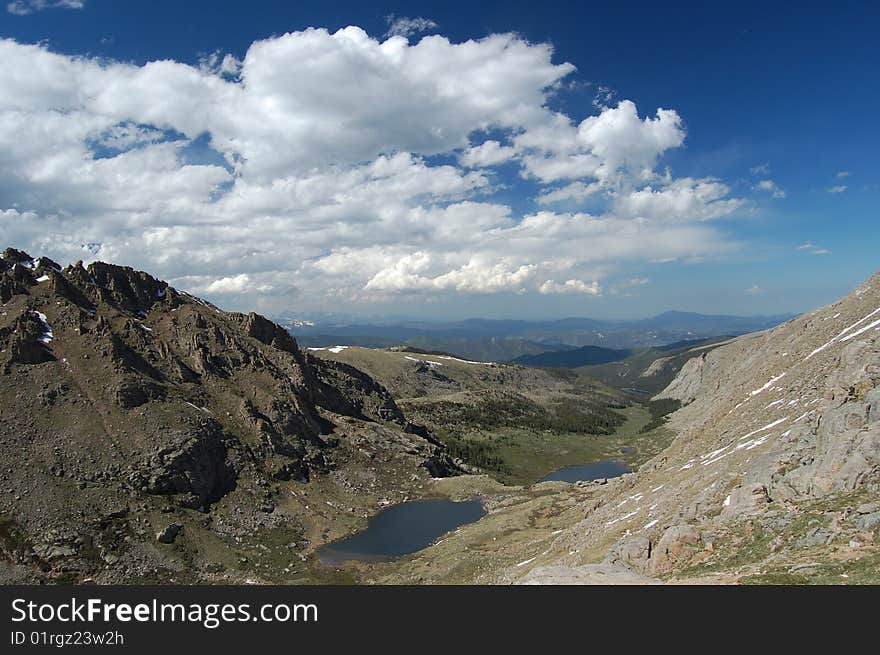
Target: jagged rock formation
[[123, 397], [776, 463]]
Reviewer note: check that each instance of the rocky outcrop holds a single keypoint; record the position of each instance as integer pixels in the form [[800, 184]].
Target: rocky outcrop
[[122, 286], [676, 545], [346, 390], [687, 384], [267, 332], [657, 367], [193, 465]]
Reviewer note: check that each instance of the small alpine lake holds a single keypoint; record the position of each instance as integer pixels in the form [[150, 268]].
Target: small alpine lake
[[606, 468], [402, 529]]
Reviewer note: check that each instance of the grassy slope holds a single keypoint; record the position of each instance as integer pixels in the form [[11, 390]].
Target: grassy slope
[[531, 455]]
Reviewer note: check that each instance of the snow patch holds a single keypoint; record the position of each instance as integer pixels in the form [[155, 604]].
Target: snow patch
[[860, 331], [766, 427], [772, 381], [422, 361], [465, 361], [332, 349], [625, 516], [47, 336], [201, 409], [841, 338]]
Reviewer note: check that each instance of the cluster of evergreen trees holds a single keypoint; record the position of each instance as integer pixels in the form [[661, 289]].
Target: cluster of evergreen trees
[[565, 415], [660, 411]]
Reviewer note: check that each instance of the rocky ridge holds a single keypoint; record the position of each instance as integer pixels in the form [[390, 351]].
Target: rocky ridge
[[130, 407]]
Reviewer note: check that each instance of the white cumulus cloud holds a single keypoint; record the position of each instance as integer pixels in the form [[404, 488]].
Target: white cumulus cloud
[[342, 168]]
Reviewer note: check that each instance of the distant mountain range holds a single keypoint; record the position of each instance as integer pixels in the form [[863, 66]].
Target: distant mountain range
[[506, 340]]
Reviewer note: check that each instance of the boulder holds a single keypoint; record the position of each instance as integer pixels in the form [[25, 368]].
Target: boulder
[[631, 554], [169, 533], [868, 521], [675, 546], [746, 499]]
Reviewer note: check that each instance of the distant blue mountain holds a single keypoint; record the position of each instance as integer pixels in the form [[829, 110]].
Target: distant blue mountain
[[505, 340]]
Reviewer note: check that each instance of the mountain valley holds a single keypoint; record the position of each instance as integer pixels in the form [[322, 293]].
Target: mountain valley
[[147, 436]]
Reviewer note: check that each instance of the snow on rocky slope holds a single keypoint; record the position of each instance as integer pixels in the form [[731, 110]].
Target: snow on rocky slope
[[775, 471]]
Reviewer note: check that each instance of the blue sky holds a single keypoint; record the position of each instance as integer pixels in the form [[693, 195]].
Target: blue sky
[[775, 115]]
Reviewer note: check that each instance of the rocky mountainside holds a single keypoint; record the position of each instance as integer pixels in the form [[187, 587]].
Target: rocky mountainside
[[146, 435], [775, 471], [773, 476]]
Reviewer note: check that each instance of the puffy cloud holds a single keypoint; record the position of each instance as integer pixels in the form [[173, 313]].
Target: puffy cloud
[[571, 286], [754, 290], [769, 186], [576, 192], [685, 199], [838, 188], [478, 275], [402, 26], [235, 284], [488, 153], [25, 7], [309, 167], [609, 147]]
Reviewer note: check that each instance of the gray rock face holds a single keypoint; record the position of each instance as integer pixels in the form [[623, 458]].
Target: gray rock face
[[688, 383], [842, 451]]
